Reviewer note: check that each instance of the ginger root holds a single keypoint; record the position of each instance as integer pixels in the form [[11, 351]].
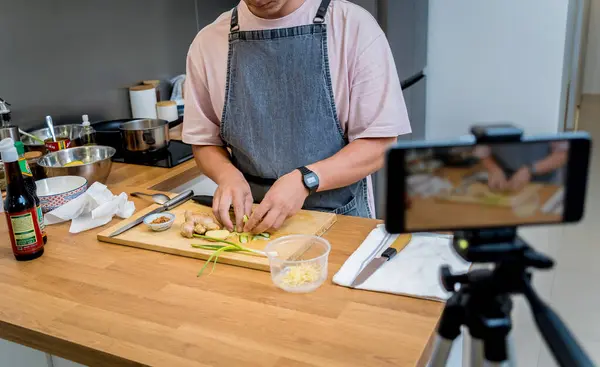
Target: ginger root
[[199, 229], [187, 230], [206, 220]]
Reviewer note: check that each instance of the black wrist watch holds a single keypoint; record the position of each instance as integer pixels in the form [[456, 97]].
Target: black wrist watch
[[309, 179]]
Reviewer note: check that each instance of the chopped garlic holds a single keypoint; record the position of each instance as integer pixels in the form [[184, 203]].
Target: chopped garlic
[[297, 275]]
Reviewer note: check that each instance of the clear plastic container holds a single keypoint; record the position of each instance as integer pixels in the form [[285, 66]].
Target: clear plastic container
[[298, 262]]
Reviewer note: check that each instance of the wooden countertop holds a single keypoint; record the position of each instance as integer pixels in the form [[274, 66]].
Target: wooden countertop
[[102, 304]]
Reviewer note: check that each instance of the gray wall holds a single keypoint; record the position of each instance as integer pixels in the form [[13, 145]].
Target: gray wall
[[70, 57]]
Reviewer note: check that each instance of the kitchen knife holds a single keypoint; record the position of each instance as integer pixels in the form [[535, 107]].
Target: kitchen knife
[[173, 203], [377, 262], [204, 200], [207, 200]]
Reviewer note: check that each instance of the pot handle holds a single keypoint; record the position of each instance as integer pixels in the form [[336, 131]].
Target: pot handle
[[177, 122], [148, 138]]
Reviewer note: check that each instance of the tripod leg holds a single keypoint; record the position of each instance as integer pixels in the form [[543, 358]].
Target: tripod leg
[[476, 356], [441, 352], [448, 330]]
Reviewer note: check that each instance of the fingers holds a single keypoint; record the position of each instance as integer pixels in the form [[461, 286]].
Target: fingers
[[215, 205], [268, 221], [248, 201], [279, 222], [223, 210], [257, 215], [239, 210]]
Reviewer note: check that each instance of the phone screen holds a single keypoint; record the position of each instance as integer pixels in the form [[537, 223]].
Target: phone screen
[[485, 185]]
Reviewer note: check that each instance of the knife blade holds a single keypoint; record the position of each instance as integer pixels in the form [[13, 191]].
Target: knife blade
[[171, 204], [377, 262]]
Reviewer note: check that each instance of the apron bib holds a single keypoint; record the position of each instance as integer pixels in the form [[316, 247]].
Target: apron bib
[[279, 111]]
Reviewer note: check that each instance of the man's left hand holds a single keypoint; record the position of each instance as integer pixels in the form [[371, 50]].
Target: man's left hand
[[285, 198], [520, 179]]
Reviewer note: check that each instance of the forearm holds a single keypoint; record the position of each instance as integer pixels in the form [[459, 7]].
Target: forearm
[[214, 161], [551, 162], [354, 162]]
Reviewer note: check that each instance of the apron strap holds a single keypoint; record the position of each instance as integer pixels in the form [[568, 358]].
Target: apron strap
[[320, 17], [234, 25]]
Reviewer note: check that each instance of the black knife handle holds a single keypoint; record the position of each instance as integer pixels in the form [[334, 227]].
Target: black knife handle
[[389, 253], [204, 200]]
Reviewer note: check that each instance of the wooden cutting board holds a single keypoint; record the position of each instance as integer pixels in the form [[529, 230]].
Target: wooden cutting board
[[171, 241], [479, 193]]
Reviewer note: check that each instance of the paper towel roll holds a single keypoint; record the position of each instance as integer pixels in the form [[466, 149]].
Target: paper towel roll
[[143, 101], [167, 110]]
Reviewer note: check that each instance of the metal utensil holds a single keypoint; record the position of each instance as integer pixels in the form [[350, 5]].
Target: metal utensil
[[96, 165], [377, 262], [145, 135], [157, 198], [31, 136], [8, 131], [70, 131], [51, 127], [173, 203]]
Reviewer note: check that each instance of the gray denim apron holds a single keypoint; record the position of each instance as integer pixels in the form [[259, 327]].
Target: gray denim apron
[[279, 111], [511, 157]]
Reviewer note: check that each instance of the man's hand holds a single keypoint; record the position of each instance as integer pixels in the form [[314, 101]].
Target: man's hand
[[497, 180], [284, 199], [235, 191], [520, 179]]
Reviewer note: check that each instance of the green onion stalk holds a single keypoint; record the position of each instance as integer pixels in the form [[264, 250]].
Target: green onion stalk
[[219, 249]]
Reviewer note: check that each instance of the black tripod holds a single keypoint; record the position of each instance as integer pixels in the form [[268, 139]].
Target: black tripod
[[483, 301]]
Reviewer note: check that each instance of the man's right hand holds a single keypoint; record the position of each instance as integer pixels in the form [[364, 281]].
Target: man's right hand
[[233, 190], [497, 180]]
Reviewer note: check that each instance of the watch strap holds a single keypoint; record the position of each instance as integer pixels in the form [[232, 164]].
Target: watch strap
[[305, 171]]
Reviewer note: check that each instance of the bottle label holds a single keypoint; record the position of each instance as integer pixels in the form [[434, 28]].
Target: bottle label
[[40, 217], [25, 233], [25, 170]]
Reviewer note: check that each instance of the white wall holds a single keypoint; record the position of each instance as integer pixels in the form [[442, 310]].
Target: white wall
[[495, 60], [591, 75]]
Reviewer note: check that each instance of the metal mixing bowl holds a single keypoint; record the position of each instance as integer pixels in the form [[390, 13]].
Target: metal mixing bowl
[[62, 131], [95, 168]]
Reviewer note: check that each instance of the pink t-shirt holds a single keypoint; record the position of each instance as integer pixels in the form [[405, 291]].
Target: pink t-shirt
[[366, 87]]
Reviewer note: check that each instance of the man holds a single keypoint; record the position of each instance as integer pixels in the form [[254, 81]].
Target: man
[[292, 103], [511, 167]]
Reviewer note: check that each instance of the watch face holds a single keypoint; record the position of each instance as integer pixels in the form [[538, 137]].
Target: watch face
[[311, 180]]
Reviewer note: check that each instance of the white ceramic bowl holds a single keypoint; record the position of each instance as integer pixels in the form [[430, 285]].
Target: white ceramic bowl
[[162, 226], [57, 191]]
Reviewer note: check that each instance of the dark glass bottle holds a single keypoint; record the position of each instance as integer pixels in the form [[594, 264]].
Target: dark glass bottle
[[21, 212], [31, 187]]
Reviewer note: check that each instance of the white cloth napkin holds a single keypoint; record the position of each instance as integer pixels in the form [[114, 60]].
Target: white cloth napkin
[[92, 209], [414, 271]]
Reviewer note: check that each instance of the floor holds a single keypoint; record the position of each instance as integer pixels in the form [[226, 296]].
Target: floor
[[571, 288]]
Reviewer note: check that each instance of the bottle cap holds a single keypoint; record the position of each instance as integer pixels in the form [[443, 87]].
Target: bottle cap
[[8, 150], [86, 120], [20, 147]]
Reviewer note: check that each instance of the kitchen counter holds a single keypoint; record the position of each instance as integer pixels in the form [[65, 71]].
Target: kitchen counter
[[102, 304]]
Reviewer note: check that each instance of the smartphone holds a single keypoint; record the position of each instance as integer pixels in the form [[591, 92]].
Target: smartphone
[[465, 185]]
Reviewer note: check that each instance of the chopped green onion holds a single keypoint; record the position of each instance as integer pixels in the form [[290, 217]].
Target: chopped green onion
[[245, 218], [265, 235], [243, 238]]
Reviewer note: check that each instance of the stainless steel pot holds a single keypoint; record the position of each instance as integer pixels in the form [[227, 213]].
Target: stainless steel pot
[[61, 131], [145, 135], [8, 131]]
